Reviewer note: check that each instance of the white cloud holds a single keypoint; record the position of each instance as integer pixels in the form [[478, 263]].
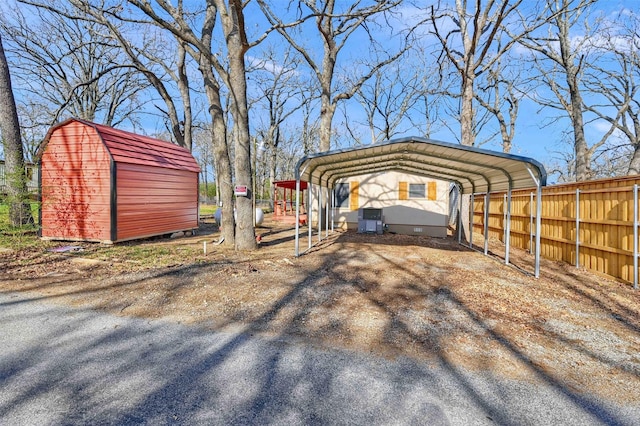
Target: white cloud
[[264, 64]]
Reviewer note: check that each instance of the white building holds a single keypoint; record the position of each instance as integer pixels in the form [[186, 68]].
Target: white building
[[411, 205], [32, 173]]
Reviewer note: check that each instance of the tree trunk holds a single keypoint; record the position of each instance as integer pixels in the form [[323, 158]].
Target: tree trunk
[[273, 165], [233, 23], [580, 147], [634, 164], [19, 208], [220, 153], [326, 119], [467, 138], [581, 150], [186, 130]]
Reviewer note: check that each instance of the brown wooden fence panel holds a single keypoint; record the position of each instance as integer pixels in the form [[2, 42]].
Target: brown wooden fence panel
[[604, 229]]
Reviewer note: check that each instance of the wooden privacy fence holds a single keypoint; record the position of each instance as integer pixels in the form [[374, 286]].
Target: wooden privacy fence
[[592, 224]]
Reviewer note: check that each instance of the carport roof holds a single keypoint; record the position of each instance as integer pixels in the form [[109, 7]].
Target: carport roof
[[475, 170]]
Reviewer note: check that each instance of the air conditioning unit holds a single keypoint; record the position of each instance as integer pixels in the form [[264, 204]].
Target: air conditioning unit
[[370, 221]]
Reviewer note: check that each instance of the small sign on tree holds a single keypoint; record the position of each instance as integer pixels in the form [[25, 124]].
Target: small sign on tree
[[241, 191]]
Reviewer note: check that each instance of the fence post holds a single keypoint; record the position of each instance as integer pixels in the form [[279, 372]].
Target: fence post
[[577, 228], [635, 236]]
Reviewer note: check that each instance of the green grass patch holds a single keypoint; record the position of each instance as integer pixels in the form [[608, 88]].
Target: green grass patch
[[141, 254], [132, 255], [208, 209], [18, 237], [4, 215]]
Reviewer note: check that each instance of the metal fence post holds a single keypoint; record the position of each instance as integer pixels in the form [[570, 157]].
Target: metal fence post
[[635, 236], [507, 241], [577, 228], [531, 222], [504, 218]]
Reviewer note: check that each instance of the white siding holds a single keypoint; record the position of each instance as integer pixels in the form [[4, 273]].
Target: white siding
[[382, 190]]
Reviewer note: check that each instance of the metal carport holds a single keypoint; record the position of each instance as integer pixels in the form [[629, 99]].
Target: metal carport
[[472, 169]]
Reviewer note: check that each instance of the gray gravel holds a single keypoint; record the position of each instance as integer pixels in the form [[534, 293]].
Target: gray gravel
[[68, 366]]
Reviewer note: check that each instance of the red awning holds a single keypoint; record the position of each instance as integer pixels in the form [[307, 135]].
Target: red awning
[[289, 184]]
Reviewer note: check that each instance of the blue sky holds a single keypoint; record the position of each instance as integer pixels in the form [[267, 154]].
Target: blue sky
[[541, 133], [532, 139]]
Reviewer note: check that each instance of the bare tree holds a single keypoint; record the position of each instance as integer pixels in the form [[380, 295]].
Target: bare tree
[[144, 58], [232, 17], [278, 97], [500, 96], [19, 209], [471, 40], [561, 60], [199, 43], [290, 150], [193, 29], [68, 68], [335, 25], [467, 34], [197, 36], [615, 79], [432, 89], [153, 59], [387, 99], [203, 152]]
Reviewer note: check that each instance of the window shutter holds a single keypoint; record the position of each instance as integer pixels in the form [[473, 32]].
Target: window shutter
[[354, 203], [432, 193], [403, 194]]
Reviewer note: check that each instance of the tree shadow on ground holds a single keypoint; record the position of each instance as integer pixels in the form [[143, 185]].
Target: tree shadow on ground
[[300, 360]]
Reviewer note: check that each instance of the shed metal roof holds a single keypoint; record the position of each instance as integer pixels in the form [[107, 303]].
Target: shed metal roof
[[475, 170], [131, 148]]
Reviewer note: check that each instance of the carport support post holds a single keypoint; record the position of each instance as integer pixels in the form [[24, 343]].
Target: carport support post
[[459, 215], [471, 208], [487, 199], [297, 216], [333, 208], [531, 222], [319, 213], [504, 218], [326, 220], [310, 213]]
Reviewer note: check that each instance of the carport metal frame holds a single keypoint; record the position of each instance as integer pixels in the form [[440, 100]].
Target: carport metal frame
[[473, 170]]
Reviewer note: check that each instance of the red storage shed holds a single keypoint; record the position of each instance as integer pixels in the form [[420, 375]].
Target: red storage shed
[[103, 184]]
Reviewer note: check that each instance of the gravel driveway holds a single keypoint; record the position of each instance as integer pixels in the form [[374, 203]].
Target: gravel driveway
[[62, 365]]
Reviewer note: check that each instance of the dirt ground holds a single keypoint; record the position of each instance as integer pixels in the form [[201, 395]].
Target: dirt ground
[[397, 296]]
